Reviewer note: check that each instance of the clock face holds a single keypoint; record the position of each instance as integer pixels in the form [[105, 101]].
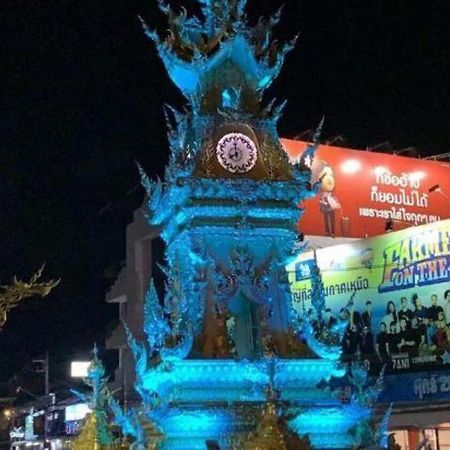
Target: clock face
[[236, 153]]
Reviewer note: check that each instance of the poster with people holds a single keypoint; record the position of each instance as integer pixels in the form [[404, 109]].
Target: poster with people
[[394, 292], [363, 193]]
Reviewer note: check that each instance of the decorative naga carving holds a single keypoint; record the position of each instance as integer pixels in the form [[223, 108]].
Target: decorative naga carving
[[11, 295]]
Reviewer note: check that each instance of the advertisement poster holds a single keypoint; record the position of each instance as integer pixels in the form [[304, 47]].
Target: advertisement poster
[[394, 291], [362, 193]]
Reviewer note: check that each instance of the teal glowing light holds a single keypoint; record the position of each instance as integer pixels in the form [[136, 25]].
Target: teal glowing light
[[212, 423], [336, 420], [329, 427], [189, 76], [215, 345]]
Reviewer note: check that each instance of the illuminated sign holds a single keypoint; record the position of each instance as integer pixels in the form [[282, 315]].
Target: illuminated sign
[[362, 193], [77, 412], [29, 426], [423, 386], [79, 369], [418, 260], [393, 289], [17, 433]]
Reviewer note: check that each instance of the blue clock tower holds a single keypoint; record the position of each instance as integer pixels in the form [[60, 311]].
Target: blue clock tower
[[223, 357]]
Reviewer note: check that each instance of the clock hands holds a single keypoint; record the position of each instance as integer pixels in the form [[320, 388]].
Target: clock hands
[[235, 154]]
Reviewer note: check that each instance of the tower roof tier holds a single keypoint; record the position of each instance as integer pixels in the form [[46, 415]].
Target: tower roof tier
[[194, 49]]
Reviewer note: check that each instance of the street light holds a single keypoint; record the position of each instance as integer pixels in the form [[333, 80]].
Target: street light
[[438, 188], [389, 224], [20, 388]]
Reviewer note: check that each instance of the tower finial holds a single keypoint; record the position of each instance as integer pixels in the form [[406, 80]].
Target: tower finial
[[318, 131]]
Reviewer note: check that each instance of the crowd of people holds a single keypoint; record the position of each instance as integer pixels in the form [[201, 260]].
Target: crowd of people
[[407, 327]]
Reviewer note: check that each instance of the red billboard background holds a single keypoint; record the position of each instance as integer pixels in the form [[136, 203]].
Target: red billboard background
[[363, 192]]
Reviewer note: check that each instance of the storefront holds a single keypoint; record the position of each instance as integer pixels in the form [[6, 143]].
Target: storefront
[[63, 423], [421, 409], [411, 428]]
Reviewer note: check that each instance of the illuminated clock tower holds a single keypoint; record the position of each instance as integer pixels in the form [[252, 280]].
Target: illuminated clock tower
[[223, 346]]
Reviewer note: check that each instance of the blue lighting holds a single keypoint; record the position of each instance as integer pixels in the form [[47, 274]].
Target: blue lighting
[[225, 336], [212, 423]]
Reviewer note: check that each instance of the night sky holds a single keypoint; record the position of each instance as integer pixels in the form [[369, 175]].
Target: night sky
[[81, 95]]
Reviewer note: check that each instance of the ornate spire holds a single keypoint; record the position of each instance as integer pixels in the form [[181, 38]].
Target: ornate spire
[[268, 435], [155, 324], [96, 433], [272, 432], [306, 159], [323, 341]]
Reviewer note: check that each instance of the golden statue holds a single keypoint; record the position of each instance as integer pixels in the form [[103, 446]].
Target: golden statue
[[272, 432], [268, 435], [11, 295]]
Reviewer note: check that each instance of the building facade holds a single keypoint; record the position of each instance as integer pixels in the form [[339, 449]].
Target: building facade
[[129, 291]]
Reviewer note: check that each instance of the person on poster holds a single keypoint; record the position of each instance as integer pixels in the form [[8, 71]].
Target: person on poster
[[419, 311], [442, 332], [441, 338], [381, 343], [351, 341], [328, 203], [419, 333], [392, 339], [405, 312], [354, 318], [343, 315], [430, 336], [447, 306], [366, 342], [406, 342], [390, 317], [434, 308], [367, 316]]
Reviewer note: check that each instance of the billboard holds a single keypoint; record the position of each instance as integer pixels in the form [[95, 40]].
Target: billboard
[[393, 289], [76, 412], [361, 191]]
